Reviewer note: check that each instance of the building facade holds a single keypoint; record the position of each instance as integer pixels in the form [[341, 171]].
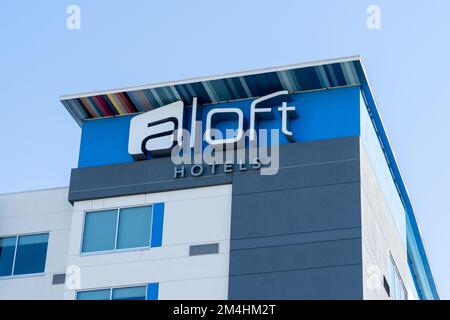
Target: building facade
[[328, 217]]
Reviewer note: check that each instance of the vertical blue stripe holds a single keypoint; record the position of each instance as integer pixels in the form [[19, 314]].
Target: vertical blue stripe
[[157, 226], [152, 291]]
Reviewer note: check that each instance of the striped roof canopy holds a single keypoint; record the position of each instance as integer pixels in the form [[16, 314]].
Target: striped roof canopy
[[244, 85]]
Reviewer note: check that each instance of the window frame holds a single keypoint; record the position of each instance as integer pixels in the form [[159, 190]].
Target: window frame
[[393, 286], [115, 250], [111, 289], [27, 275]]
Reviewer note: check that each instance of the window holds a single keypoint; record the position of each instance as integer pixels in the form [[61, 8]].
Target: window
[[7, 249], [100, 231], [130, 293], [397, 288], [21, 255], [117, 229], [134, 227], [136, 293], [94, 295]]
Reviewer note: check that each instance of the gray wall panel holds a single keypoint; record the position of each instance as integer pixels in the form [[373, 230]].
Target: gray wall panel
[[340, 282], [296, 238], [301, 176], [316, 196], [136, 178], [296, 257], [296, 211], [157, 174], [314, 152]]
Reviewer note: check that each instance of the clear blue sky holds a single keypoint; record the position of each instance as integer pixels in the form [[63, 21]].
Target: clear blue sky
[[123, 43]]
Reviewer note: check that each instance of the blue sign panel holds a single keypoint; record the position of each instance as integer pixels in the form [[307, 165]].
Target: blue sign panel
[[323, 114]]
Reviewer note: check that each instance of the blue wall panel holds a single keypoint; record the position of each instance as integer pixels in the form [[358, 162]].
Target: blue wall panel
[[105, 141], [157, 225], [152, 291], [322, 115]]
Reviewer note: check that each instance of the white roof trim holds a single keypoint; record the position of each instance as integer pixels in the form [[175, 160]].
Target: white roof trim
[[216, 77]]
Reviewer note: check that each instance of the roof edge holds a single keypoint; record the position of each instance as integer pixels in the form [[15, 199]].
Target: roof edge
[[403, 190], [214, 77]]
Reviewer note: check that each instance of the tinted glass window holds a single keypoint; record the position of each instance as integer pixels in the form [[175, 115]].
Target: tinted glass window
[[94, 295], [31, 254], [135, 293], [134, 227], [100, 231], [7, 248]]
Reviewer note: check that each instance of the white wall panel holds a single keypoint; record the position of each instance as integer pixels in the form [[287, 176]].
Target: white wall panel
[[193, 216], [36, 212], [383, 217]]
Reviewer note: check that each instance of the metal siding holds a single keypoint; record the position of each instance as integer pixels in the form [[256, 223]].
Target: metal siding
[[297, 235]]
